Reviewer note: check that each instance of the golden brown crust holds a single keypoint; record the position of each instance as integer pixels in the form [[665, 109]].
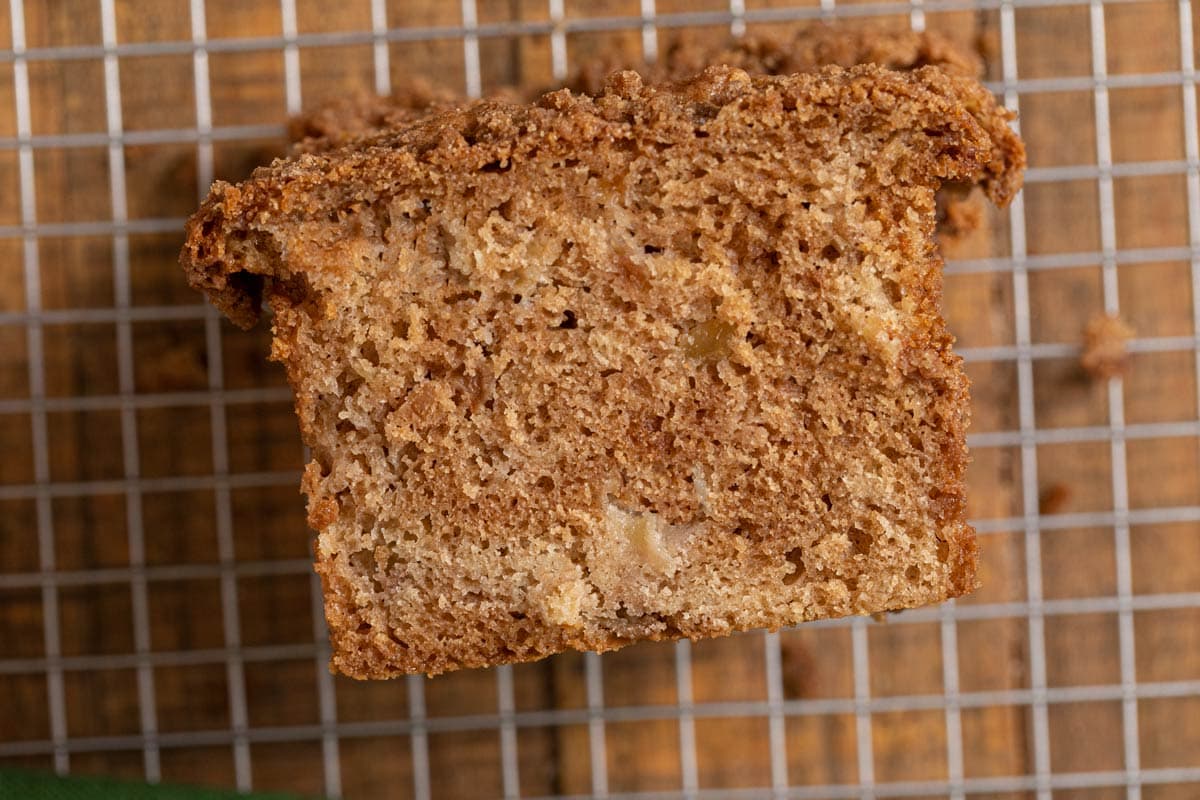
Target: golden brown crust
[[360, 112], [236, 288], [664, 362], [809, 49], [336, 122], [961, 212]]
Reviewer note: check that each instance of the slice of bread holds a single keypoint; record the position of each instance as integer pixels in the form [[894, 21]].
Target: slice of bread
[[664, 362]]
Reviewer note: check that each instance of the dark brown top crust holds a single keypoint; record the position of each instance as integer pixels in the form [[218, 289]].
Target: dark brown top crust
[[342, 119], [985, 150]]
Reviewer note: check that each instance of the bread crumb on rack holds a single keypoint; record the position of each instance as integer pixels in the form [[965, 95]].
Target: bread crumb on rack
[[1054, 498], [1105, 351]]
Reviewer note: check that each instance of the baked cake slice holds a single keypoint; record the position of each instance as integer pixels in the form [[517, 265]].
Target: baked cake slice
[[665, 362]]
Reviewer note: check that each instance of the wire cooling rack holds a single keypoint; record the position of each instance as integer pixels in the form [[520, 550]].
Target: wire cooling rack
[[1093, 609]]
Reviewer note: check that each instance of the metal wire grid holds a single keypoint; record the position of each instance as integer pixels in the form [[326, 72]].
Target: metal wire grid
[[505, 719]]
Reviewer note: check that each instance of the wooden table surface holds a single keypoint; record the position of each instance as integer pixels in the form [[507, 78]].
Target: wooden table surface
[[165, 428]]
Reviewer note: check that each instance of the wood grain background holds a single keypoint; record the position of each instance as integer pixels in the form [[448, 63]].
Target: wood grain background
[[172, 360]]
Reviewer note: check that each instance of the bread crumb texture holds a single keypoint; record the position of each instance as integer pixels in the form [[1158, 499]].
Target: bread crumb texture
[[1105, 353], [960, 205], [664, 362], [343, 118]]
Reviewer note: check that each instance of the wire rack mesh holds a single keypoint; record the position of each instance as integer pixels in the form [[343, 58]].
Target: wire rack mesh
[[159, 616]]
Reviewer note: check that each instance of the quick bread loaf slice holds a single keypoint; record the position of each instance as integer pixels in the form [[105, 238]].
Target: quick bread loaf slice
[[665, 362]]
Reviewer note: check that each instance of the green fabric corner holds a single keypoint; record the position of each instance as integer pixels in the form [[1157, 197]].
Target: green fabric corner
[[29, 785]]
